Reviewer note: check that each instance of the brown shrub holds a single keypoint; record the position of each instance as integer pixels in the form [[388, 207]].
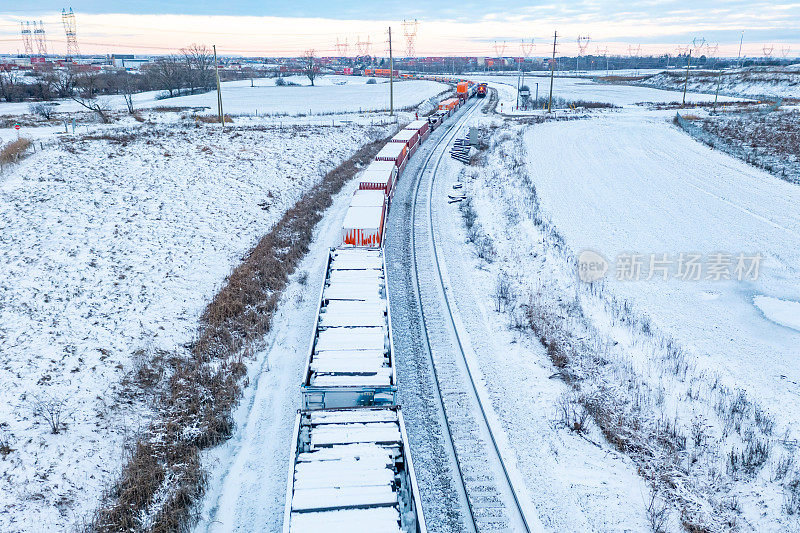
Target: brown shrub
[[14, 151], [197, 403], [212, 119]]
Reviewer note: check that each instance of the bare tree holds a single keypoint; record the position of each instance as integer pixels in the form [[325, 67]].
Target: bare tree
[[64, 82], [123, 84], [9, 90], [308, 66], [169, 74], [89, 83], [43, 110], [97, 106], [199, 62], [54, 411]]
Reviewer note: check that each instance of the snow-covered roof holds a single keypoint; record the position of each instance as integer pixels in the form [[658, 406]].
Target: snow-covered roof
[[363, 217], [391, 151], [351, 345], [404, 135], [368, 198], [380, 166], [416, 125], [346, 471]]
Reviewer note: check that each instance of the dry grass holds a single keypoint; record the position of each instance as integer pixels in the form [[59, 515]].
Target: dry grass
[[213, 119], [14, 151], [163, 476]]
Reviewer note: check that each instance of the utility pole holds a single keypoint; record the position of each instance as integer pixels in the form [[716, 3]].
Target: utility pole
[[739, 57], [552, 72], [391, 75], [219, 91], [686, 81]]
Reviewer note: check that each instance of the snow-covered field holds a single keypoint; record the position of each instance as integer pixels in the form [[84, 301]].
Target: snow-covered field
[[571, 88], [331, 94], [710, 387], [751, 82], [109, 247], [654, 190]]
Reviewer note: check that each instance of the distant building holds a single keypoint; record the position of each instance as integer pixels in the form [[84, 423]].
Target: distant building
[[128, 61]]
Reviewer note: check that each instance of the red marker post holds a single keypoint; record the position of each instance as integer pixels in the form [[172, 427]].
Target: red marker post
[[17, 127]]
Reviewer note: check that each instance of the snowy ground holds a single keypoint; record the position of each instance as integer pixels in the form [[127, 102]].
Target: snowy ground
[[331, 94], [630, 182], [571, 88], [589, 486], [751, 82], [248, 472], [109, 247]]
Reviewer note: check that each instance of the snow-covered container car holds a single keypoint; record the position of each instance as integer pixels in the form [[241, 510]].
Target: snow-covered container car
[[408, 137], [396, 152], [351, 470], [363, 223], [379, 175], [449, 105], [435, 120], [350, 360], [422, 127]]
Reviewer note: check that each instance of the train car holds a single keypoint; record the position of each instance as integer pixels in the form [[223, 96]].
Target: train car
[[396, 152], [482, 89], [437, 118], [350, 360], [462, 90], [422, 127], [379, 175], [351, 470], [385, 72], [363, 223], [368, 72], [409, 137], [449, 105]]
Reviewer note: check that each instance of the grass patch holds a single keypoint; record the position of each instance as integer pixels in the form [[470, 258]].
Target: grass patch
[[14, 151], [213, 119]]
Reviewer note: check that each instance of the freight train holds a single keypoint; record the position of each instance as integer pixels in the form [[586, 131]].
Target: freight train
[[350, 466]]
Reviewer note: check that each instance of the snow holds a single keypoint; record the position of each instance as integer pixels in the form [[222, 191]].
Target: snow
[[654, 190], [571, 88], [783, 312], [391, 151], [363, 217], [368, 199], [247, 492], [265, 98], [750, 82], [110, 249]]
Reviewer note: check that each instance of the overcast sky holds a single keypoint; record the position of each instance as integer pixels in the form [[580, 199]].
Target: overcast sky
[[472, 28]]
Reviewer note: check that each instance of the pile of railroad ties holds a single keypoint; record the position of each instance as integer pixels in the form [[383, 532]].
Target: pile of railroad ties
[[351, 468]]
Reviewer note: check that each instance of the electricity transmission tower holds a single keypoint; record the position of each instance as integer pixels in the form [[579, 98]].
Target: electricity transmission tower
[[768, 49], [634, 52], [499, 50], [785, 49], [583, 44], [27, 38], [603, 52], [40, 37], [341, 47], [70, 28], [410, 32]]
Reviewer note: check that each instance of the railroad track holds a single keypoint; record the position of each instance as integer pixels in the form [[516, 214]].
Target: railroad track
[[483, 476]]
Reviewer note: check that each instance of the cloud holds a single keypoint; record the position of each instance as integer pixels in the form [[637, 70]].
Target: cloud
[[468, 28]]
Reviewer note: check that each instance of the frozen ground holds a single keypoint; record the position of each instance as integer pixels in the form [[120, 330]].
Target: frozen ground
[[331, 94], [575, 483], [109, 247], [753, 82], [728, 406], [654, 190]]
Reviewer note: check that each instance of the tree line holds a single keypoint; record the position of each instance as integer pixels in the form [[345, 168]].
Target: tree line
[[190, 72]]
